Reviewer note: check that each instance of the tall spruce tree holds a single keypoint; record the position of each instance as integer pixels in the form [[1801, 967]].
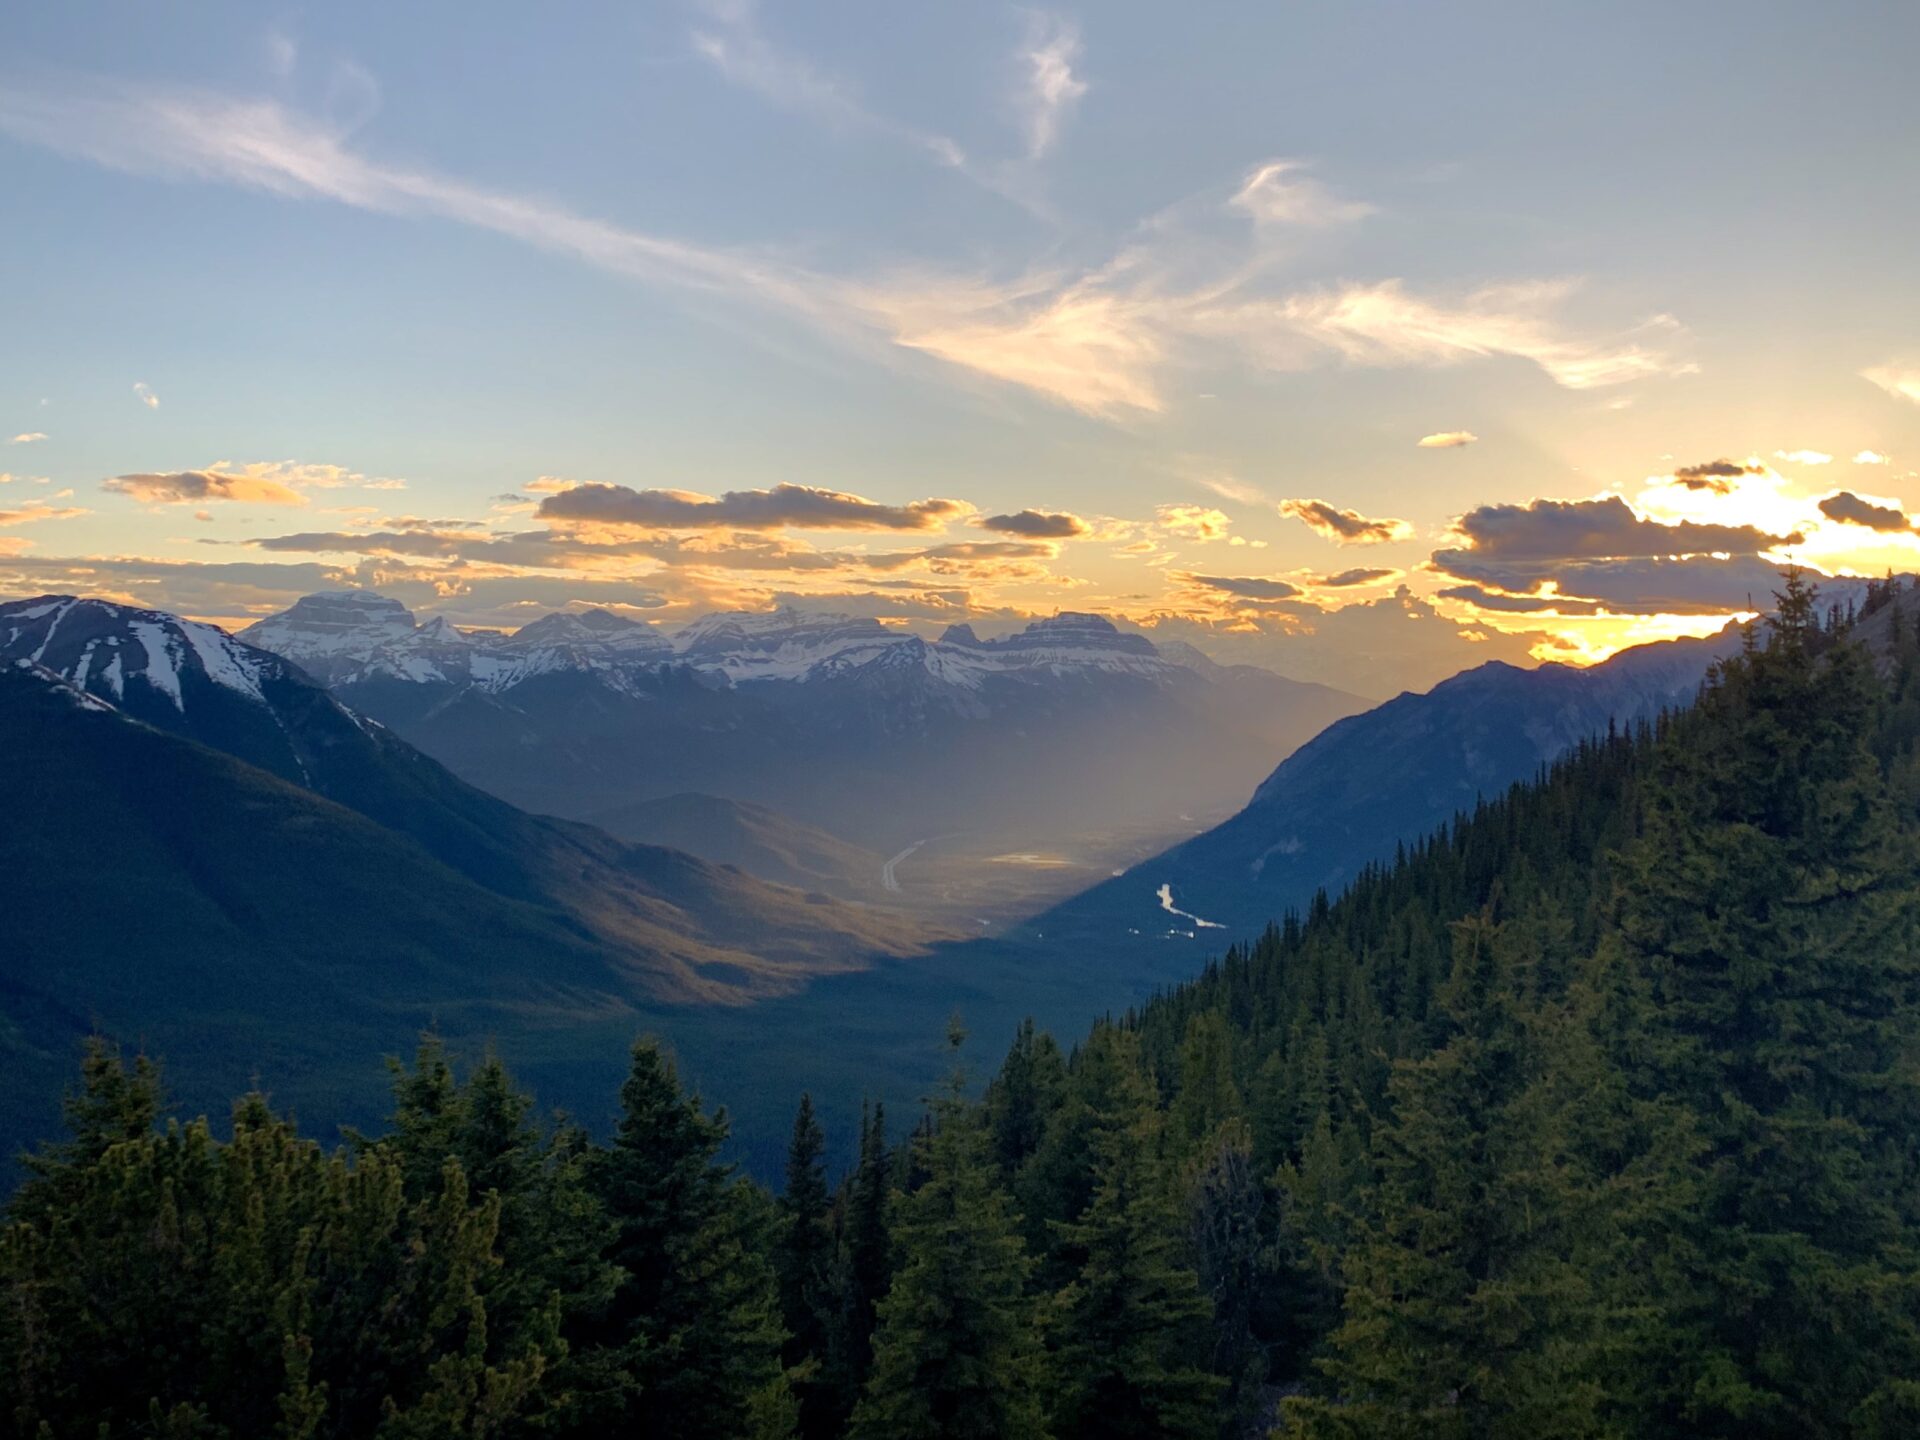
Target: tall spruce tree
[[957, 1354], [803, 1267], [1466, 1316], [690, 1342], [1131, 1328]]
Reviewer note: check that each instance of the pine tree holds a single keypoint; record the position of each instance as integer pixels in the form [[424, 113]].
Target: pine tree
[[1206, 1096], [1023, 1097], [1465, 1317], [692, 1336], [803, 1265], [1132, 1325], [957, 1354]]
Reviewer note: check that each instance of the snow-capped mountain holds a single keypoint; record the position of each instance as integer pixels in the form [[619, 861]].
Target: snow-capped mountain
[[861, 728], [183, 677], [352, 637]]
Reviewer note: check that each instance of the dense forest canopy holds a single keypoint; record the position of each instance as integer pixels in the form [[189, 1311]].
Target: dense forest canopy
[[1594, 1115]]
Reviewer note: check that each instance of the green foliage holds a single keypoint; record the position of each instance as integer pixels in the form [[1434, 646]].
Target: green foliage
[[692, 1335], [803, 1253], [1131, 1325], [957, 1353]]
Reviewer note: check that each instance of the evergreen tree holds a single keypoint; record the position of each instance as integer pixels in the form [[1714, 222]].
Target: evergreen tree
[[692, 1335], [1466, 1314], [1132, 1326], [1023, 1097], [803, 1264], [957, 1354]]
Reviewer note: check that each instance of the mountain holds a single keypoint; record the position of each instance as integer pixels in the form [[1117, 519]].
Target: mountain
[[1346, 798], [843, 723], [208, 855], [753, 838], [681, 928]]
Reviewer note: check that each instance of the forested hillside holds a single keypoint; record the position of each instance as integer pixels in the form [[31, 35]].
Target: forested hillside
[[1593, 1116]]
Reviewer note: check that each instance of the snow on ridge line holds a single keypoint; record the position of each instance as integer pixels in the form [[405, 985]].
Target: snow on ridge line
[[223, 661], [162, 670]]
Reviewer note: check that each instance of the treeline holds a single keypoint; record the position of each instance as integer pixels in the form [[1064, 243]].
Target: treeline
[[1595, 1115]]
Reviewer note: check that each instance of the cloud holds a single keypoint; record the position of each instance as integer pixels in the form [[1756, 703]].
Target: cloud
[[1637, 585], [799, 507], [1276, 193], [1098, 340], [1037, 524], [1899, 380], [1198, 523], [1871, 457], [145, 392], [1344, 527], [31, 437], [1485, 599], [734, 44], [1345, 579], [1447, 440], [1101, 342], [1846, 508], [1804, 457], [1382, 324], [180, 487], [1244, 587], [1052, 88], [1716, 476], [1593, 529], [36, 512]]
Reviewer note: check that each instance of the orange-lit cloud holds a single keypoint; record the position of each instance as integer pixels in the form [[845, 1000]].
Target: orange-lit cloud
[[1344, 527]]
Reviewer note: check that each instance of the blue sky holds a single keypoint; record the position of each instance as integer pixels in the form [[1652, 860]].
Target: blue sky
[[408, 271]]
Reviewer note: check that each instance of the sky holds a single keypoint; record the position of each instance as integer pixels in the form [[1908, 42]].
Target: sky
[[1366, 342]]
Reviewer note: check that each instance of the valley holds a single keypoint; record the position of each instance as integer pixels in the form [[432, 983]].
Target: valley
[[1092, 912]]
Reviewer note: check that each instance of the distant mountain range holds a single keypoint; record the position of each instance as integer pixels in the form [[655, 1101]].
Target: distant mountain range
[[844, 724], [206, 851]]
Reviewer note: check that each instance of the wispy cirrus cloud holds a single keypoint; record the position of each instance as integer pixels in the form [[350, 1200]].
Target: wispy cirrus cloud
[[1900, 379], [144, 392], [1052, 88], [30, 437], [730, 39], [1281, 193], [1103, 340]]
